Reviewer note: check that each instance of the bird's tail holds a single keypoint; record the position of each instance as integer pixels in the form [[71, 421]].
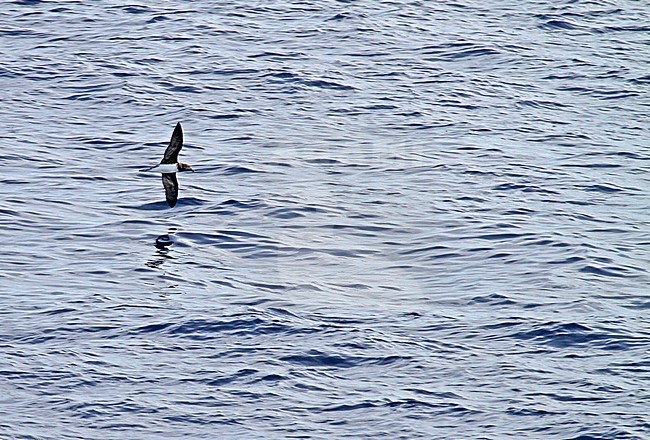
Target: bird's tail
[[148, 169]]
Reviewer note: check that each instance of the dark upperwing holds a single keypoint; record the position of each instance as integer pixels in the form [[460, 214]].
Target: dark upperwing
[[175, 145], [170, 182]]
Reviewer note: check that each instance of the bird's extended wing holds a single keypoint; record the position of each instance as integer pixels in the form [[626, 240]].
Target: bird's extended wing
[[175, 145], [170, 182]]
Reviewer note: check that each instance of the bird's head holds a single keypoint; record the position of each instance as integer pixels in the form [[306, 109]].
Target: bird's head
[[184, 167]]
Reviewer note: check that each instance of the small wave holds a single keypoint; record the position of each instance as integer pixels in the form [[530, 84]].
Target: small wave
[[316, 358], [162, 205], [602, 188], [203, 329], [560, 25], [239, 169], [250, 204], [323, 84], [611, 271], [564, 335]]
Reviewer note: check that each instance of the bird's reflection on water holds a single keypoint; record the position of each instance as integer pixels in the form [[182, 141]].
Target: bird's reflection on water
[[158, 259], [163, 243]]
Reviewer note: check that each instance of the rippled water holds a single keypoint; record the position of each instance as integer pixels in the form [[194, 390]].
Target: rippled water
[[409, 220]]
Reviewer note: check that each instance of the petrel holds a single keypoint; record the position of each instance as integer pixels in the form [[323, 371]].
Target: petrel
[[169, 166]]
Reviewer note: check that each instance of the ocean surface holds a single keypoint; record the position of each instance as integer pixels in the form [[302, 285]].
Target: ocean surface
[[409, 219]]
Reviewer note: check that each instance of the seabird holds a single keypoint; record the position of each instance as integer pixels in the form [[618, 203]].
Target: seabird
[[169, 166]]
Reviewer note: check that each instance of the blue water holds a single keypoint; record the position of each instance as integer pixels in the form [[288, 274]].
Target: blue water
[[409, 220]]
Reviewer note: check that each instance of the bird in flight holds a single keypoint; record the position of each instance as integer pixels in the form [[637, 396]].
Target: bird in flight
[[169, 166]]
